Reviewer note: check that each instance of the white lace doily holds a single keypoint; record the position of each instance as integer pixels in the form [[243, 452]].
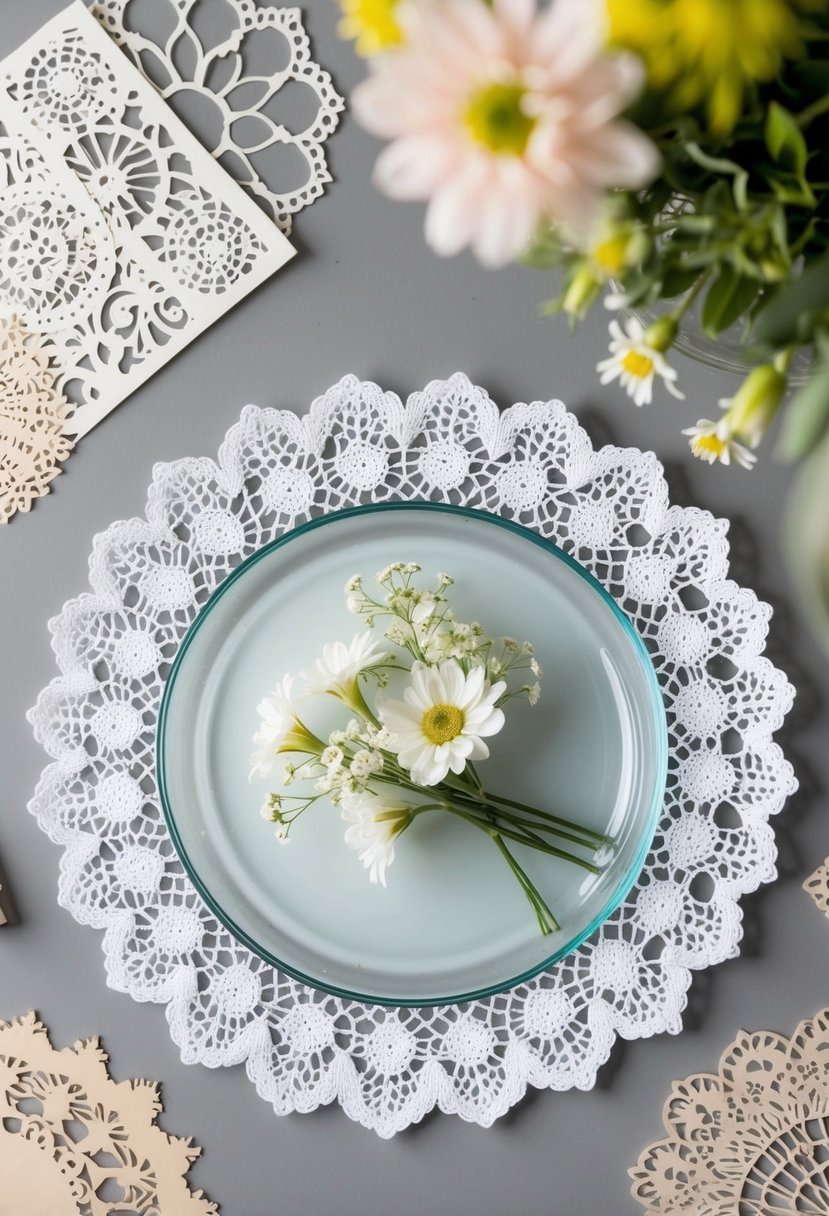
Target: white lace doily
[[667, 567]]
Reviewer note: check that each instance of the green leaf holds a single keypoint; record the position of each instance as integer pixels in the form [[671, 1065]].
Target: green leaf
[[806, 419], [727, 299], [792, 312], [677, 280], [785, 140]]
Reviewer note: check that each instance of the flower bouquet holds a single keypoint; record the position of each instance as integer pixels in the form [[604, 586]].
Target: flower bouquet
[[671, 155], [413, 754]]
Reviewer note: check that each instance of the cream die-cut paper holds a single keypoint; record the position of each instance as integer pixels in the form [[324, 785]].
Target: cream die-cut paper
[[121, 238], [74, 1142]]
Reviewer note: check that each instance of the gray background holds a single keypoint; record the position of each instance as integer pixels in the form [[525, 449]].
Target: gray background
[[365, 295]]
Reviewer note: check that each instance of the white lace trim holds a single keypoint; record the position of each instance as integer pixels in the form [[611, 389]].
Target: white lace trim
[[668, 568]]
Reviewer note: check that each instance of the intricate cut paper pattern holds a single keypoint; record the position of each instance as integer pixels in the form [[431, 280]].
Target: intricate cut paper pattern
[[32, 416], [752, 1139], [73, 1142], [239, 82], [121, 239], [667, 568], [817, 886]]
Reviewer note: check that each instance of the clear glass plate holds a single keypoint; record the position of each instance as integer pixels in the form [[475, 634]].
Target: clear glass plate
[[452, 922]]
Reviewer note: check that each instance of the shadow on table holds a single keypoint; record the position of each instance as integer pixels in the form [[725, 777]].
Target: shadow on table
[[8, 909]]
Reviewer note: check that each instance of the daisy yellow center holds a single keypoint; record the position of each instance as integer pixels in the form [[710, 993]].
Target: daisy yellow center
[[442, 723], [637, 364], [709, 447], [495, 118]]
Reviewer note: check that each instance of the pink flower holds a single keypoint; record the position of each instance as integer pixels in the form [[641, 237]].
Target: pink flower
[[503, 116]]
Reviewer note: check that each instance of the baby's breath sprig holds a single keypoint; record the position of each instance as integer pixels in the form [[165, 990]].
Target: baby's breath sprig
[[422, 623]]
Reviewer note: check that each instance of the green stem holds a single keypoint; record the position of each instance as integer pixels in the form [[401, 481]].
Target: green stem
[[568, 824], [546, 921], [688, 300], [813, 111], [531, 828], [520, 837]]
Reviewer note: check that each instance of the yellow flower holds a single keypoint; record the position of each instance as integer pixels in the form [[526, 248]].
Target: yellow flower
[[372, 24], [708, 51]]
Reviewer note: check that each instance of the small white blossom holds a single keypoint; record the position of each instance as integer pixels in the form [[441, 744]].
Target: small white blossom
[[424, 608], [636, 364], [535, 668], [533, 693], [354, 604], [353, 584], [715, 441], [332, 757]]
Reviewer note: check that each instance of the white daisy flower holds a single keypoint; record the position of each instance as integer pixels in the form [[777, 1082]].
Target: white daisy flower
[[442, 720], [635, 363], [373, 828], [280, 729], [339, 666], [714, 441]]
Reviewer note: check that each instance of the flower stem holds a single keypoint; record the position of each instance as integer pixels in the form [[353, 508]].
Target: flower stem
[[546, 921], [813, 111], [595, 839], [488, 825]]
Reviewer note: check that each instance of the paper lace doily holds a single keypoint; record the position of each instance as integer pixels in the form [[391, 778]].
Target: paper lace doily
[[73, 1142], [668, 568], [817, 885], [32, 414], [753, 1139], [243, 103], [121, 239]]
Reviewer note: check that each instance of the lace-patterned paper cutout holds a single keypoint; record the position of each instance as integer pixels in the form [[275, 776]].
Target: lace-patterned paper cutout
[[753, 1139], [121, 239], [666, 566], [238, 99], [32, 414], [72, 1140], [817, 885]]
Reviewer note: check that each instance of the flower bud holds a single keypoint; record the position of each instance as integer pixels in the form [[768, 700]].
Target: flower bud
[[583, 290], [661, 335], [751, 410]]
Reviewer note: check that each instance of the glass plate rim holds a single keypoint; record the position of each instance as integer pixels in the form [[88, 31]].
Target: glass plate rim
[[659, 717]]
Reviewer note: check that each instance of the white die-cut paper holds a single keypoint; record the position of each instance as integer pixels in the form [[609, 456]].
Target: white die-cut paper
[[121, 238], [247, 114]]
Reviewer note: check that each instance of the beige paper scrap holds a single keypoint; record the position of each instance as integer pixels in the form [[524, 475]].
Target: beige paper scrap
[[73, 1142]]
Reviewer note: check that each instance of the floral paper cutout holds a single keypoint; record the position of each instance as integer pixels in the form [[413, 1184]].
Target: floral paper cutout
[[242, 103], [817, 885], [753, 1139], [72, 1140], [32, 415], [121, 239]]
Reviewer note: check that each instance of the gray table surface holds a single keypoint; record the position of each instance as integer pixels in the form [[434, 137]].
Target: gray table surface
[[366, 296]]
